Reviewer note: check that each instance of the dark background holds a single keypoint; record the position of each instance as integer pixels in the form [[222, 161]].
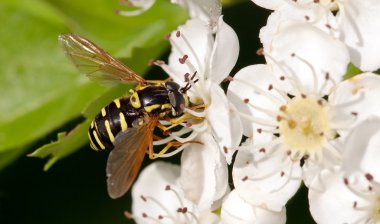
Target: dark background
[[74, 189]]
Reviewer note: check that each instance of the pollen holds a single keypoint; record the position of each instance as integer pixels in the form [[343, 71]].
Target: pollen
[[302, 123]]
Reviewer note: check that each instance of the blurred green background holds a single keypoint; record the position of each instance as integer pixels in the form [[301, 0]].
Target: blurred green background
[[41, 94]]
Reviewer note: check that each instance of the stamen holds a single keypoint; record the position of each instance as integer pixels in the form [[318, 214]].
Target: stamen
[[271, 97], [256, 120], [313, 72], [294, 81]]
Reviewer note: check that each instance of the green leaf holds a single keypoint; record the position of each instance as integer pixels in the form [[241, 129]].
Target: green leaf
[[352, 71], [40, 89], [65, 145]]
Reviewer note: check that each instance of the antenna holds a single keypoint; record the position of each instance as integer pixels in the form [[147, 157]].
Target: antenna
[[189, 82]]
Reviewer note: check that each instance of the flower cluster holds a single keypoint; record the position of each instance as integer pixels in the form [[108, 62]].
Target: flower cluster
[[300, 120]]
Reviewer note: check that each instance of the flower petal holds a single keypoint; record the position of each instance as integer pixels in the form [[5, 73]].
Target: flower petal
[[332, 202], [250, 89], [362, 149], [318, 16], [191, 49], [161, 199], [359, 23], [226, 125], [270, 4], [225, 52], [269, 180], [208, 11], [204, 173], [309, 56], [236, 210]]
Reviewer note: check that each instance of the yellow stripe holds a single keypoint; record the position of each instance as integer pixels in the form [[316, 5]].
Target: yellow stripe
[[92, 124], [135, 101], [108, 127], [103, 112], [152, 107], [98, 140], [166, 106], [117, 103], [93, 146], [123, 122]]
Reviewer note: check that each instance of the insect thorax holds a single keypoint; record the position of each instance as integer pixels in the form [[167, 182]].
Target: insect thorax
[[126, 112]]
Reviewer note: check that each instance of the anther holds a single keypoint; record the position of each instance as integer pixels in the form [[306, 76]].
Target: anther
[[260, 51], [144, 215], [306, 156], [245, 178], [355, 204], [292, 124], [159, 62], [228, 78], [178, 34], [279, 118], [143, 198], [327, 76], [282, 78], [262, 150], [328, 26], [369, 177], [345, 180], [320, 102], [283, 108], [259, 130], [293, 54], [354, 114], [160, 217], [303, 96], [225, 149], [246, 100], [282, 173], [128, 215], [270, 87], [167, 188], [307, 18], [183, 59]]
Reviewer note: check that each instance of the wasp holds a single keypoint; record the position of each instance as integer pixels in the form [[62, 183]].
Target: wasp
[[126, 125]]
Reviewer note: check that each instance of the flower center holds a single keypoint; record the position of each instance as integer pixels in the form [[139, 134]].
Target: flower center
[[303, 123]]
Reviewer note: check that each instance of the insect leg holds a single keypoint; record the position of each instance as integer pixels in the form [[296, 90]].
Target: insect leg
[[168, 146]]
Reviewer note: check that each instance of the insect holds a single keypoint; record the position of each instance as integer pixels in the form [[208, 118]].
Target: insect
[[127, 123]]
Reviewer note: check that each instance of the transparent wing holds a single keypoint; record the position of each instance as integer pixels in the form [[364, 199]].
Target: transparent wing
[[97, 64], [125, 159]]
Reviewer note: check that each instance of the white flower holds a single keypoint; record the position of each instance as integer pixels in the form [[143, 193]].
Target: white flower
[[204, 174], [208, 11], [356, 24], [300, 113], [340, 199], [235, 210], [158, 198], [195, 51], [205, 60], [351, 193], [362, 150]]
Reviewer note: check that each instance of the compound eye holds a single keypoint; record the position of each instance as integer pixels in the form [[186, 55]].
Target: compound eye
[[177, 101]]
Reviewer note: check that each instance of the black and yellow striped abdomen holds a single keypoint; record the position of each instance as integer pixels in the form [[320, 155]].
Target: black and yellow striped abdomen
[[125, 112]]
